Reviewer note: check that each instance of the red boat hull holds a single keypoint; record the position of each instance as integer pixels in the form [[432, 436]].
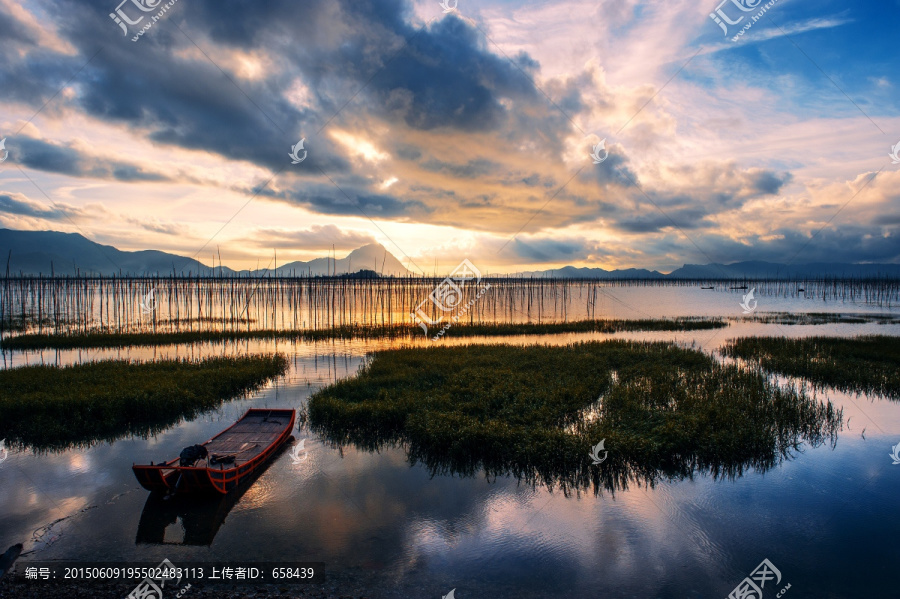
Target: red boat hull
[[170, 477]]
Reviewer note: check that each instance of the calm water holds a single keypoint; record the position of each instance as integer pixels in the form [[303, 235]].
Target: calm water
[[827, 519]]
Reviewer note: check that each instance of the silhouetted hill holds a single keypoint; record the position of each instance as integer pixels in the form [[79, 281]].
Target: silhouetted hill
[[369, 257], [738, 270], [46, 252], [573, 272], [34, 252]]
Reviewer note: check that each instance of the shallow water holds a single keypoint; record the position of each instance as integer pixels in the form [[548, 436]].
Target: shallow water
[[826, 518]]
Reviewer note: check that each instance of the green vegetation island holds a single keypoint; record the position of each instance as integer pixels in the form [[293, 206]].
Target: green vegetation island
[[866, 364], [537, 412], [51, 407]]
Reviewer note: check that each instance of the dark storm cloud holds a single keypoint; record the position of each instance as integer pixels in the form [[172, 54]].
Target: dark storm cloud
[[682, 218], [732, 187], [550, 250], [11, 30], [21, 206], [843, 244], [45, 156], [35, 79], [714, 188], [446, 78], [438, 76], [29, 73], [311, 24], [888, 219], [840, 244], [473, 169], [346, 201], [612, 171], [407, 152], [162, 86], [448, 194], [768, 182]]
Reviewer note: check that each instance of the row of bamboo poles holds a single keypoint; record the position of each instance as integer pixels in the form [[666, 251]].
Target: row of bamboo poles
[[114, 303]]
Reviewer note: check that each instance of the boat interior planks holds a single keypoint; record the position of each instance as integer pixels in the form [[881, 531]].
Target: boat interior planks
[[220, 464]]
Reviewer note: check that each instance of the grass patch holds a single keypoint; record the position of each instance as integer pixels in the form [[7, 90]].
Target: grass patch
[[535, 412], [583, 326], [818, 318], [34, 341], [49, 407], [868, 364]]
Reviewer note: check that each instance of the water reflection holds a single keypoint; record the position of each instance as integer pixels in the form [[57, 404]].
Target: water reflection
[[617, 474], [198, 517]]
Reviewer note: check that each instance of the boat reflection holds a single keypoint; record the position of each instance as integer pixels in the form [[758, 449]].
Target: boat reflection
[[200, 517]]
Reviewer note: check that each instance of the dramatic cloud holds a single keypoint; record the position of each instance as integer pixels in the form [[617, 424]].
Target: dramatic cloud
[[314, 238], [19, 205], [68, 160], [454, 131]]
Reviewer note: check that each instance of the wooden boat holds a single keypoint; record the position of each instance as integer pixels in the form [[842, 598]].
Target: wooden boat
[[200, 516], [230, 457]]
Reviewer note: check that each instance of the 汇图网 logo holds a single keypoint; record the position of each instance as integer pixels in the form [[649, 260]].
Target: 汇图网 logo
[[295, 152], [296, 458], [123, 19], [448, 296], [600, 147], [749, 303], [148, 302], [723, 20], [752, 586], [895, 153], [595, 453]]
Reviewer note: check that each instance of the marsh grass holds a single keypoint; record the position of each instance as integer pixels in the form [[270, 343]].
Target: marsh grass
[[50, 407], [869, 364], [819, 318], [36, 341], [585, 326], [664, 411]]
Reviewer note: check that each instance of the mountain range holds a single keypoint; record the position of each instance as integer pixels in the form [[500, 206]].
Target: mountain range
[[53, 252], [737, 270]]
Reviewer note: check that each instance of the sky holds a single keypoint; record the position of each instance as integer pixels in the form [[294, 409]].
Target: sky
[[457, 131]]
